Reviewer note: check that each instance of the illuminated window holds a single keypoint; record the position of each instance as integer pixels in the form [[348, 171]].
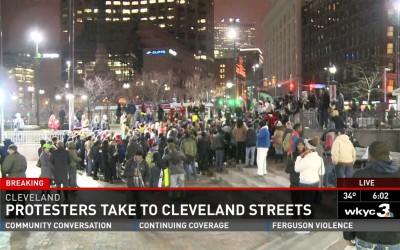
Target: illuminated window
[[126, 18], [108, 19], [152, 1], [135, 11], [170, 17], [79, 12], [162, 25], [125, 11], [161, 1], [390, 31], [161, 17], [96, 10], [202, 21], [182, 2], [88, 10], [108, 10], [125, 3], [89, 19], [143, 2], [115, 19], [143, 10], [117, 3], [389, 49], [144, 19], [108, 2], [152, 18], [170, 1], [135, 2], [170, 9]]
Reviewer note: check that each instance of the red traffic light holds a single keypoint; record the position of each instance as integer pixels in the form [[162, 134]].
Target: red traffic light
[[311, 86]]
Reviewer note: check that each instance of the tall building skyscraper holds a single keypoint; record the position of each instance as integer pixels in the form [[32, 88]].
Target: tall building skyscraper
[[245, 37], [191, 22], [282, 46]]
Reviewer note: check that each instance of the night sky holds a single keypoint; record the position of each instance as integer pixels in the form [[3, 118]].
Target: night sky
[[246, 10], [20, 15]]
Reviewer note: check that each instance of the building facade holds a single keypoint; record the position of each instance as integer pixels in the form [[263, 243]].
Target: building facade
[[224, 44], [190, 22], [348, 34], [283, 46]]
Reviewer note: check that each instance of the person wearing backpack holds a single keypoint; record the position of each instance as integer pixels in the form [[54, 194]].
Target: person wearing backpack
[[189, 148], [155, 164]]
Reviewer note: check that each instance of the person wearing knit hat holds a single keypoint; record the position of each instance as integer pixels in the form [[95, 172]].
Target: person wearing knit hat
[[311, 168]]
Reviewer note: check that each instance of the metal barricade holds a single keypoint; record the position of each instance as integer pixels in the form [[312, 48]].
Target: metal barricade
[[33, 136]]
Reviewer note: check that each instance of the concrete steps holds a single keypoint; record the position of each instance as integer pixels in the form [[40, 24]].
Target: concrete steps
[[246, 177], [310, 241]]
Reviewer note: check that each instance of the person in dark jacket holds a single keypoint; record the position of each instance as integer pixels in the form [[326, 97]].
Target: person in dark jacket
[[338, 120], [294, 176], [96, 159], [4, 150], [219, 146], [134, 166], [250, 140], [61, 160], [324, 103], [203, 151], [155, 169], [14, 166], [112, 160], [379, 165], [105, 159], [132, 148]]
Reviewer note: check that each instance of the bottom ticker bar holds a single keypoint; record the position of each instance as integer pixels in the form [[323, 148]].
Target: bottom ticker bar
[[200, 225]]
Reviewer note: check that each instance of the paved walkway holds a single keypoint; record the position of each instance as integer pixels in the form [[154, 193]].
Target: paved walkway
[[167, 240]]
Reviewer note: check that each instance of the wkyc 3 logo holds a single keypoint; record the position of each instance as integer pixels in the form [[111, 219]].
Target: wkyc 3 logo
[[383, 213]]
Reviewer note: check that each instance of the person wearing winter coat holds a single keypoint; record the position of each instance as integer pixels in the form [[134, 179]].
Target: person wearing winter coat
[[203, 152], [46, 167], [263, 144], [61, 160], [294, 176], [96, 159], [311, 168], [238, 134], [74, 161], [112, 160], [174, 160], [95, 123], [343, 155], [104, 125], [379, 165], [277, 141], [250, 141], [133, 147], [219, 146], [14, 166], [134, 167]]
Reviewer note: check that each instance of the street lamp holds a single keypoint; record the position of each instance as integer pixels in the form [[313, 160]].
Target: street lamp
[[385, 85], [36, 37], [229, 85], [232, 34], [58, 97], [332, 87], [126, 85], [41, 92]]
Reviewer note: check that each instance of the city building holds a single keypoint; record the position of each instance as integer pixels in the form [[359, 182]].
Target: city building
[[21, 75], [283, 46], [347, 34], [190, 22], [244, 37]]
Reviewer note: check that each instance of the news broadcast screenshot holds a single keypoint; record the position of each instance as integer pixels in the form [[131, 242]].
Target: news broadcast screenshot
[[200, 124]]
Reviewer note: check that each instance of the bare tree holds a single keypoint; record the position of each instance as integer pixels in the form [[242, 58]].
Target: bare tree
[[101, 90], [200, 88], [153, 87], [366, 81]]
